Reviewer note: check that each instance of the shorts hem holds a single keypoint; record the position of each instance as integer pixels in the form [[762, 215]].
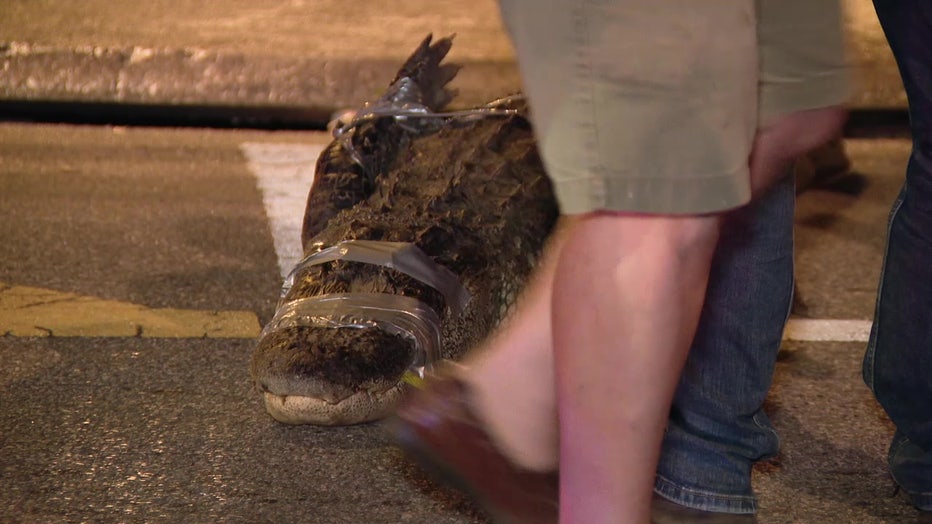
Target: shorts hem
[[692, 196], [782, 98]]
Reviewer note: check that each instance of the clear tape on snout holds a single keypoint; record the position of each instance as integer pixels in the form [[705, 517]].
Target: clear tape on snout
[[396, 314], [403, 104], [401, 256]]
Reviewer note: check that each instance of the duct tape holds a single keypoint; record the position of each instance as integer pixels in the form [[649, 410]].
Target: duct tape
[[401, 256], [394, 314]]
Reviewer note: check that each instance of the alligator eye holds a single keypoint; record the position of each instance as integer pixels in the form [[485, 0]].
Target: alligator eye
[[340, 119]]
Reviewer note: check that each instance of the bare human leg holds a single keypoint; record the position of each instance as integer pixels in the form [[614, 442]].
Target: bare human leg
[[786, 138], [513, 373], [626, 300]]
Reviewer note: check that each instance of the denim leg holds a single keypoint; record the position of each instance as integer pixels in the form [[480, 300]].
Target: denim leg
[[898, 361], [717, 428]]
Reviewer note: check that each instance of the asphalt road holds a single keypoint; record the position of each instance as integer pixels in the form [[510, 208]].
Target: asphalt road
[[169, 429], [129, 429]]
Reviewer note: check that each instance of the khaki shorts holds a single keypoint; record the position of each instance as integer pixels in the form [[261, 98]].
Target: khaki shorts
[[651, 106]]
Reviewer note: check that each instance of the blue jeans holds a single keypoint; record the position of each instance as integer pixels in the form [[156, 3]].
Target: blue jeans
[[898, 361], [717, 429]]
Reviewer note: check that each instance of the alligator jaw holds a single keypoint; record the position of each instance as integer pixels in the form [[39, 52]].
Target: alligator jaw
[[330, 376], [365, 405]]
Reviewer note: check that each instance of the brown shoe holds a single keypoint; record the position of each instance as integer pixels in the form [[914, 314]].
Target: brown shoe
[[437, 427]]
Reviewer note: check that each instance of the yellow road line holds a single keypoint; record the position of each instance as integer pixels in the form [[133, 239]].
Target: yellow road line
[[36, 312]]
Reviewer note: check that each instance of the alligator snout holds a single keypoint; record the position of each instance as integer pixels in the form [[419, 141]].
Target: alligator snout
[[331, 376]]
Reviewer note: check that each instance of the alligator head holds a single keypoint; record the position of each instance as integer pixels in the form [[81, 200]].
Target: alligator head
[[419, 231]]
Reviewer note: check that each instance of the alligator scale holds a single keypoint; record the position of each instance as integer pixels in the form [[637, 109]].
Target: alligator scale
[[420, 229]]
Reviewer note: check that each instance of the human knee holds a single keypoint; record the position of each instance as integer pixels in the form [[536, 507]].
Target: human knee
[[816, 127], [788, 137], [695, 236], [678, 236], [797, 133]]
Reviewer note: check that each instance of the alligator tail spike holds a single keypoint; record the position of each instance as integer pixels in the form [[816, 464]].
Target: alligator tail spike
[[425, 69], [340, 181]]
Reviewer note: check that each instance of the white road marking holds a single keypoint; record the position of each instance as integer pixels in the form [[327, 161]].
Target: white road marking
[[285, 173]]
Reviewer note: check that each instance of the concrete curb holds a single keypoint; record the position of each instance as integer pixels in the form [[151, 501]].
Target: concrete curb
[[140, 75], [147, 81]]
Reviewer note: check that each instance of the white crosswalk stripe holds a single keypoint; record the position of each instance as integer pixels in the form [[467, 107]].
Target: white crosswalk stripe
[[285, 173]]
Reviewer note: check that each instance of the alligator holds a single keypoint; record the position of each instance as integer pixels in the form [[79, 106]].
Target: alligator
[[420, 229]]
